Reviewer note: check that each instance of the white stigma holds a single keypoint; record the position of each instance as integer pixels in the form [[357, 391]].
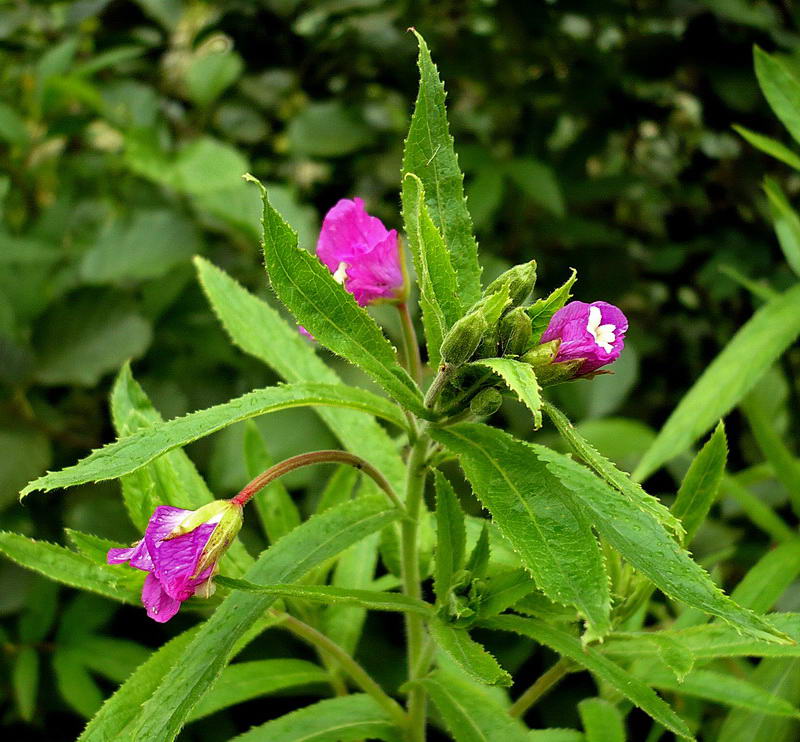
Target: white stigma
[[603, 334], [341, 273]]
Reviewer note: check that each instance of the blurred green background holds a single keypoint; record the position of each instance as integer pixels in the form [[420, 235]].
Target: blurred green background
[[593, 135]]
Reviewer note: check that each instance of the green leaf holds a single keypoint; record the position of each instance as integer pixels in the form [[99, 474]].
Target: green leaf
[[555, 735], [554, 540], [320, 538], [786, 222], [619, 480], [470, 656], [649, 548], [371, 599], [781, 88], [770, 146], [274, 504], [538, 182], [754, 348], [776, 677], [65, 566], [210, 74], [134, 451], [25, 681], [429, 154], [115, 659], [602, 721], [451, 538], [504, 590], [769, 578], [119, 709], [75, 684], [328, 129], [542, 310], [260, 331], [247, 680], [12, 126], [470, 714], [520, 378], [329, 312], [345, 719], [586, 656], [722, 688], [700, 486], [438, 284]]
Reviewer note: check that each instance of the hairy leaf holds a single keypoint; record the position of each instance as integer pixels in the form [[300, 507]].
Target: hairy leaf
[[470, 656], [451, 537], [520, 378]]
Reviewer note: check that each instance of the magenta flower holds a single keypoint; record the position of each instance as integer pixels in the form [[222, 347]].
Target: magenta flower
[[594, 332], [360, 252], [180, 557]]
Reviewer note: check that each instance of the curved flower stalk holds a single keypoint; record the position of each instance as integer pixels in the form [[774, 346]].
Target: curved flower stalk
[[180, 552]]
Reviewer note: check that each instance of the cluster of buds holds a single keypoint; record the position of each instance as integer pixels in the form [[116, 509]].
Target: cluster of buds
[[579, 340]]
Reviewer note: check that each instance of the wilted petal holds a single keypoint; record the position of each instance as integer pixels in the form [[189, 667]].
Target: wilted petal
[[160, 606]]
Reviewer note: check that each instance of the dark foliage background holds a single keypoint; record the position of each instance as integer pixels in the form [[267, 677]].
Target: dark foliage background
[[594, 136]]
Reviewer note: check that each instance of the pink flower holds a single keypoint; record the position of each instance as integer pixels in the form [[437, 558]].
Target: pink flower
[[594, 332], [362, 255], [179, 556]]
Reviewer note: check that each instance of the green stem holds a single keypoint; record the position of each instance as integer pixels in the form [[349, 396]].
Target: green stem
[[315, 457], [415, 630], [410, 343], [357, 673], [545, 683]]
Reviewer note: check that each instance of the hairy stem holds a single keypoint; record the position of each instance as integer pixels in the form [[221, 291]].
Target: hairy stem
[[415, 630], [410, 342], [357, 673], [315, 457], [545, 683]]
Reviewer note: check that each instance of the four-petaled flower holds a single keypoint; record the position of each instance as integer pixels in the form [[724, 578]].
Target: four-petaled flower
[[594, 332], [179, 551], [360, 252]]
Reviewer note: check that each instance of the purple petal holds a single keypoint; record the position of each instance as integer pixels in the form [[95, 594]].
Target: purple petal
[[175, 561], [137, 555], [160, 606]]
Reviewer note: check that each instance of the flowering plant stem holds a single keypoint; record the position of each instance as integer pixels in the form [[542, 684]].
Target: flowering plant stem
[[410, 342], [415, 633], [315, 457], [357, 673], [544, 684]]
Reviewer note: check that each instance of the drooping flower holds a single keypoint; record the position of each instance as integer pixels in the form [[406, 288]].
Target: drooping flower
[[360, 252], [594, 332], [180, 551]]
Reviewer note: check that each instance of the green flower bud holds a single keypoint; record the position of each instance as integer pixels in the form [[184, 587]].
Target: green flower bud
[[463, 339], [520, 281], [222, 537], [204, 514], [555, 373], [489, 345], [541, 355], [486, 402], [515, 332]]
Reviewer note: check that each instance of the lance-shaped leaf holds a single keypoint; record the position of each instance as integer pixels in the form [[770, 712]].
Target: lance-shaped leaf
[[247, 680], [542, 310], [633, 689], [601, 721], [451, 537], [520, 378], [344, 719], [259, 330], [621, 481], [171, 479], [470, 656], [745, 359], [470, 714], [430, 155], [320, 538], [785, 220], [552, 537], [648, 547], [770, 146], [438, 285], [701, 484], [69, 568], [769, 577], [128, 454], [781, 87], [371, 599], [330, 313]]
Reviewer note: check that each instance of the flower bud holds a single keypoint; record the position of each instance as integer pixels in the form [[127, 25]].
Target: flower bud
[[463, 339], [541, 355], [555, 373], [515, 332], [486, 402], [520, 281], [227, 529]]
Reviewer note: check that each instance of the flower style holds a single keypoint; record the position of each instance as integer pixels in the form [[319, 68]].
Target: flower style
[[593, 332], [180, 551], [360, 252]]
